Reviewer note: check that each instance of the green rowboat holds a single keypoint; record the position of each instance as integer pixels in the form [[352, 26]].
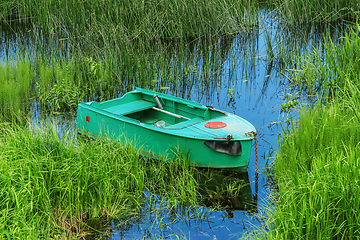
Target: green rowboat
[[160, 123]]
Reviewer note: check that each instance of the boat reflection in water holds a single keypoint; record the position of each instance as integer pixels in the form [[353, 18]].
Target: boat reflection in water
[[219, 191], [226, 190]]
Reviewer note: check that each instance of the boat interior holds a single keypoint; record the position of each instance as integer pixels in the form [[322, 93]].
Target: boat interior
[[162, 111]]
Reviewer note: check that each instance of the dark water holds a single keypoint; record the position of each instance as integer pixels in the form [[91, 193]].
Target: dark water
[[252, 86]]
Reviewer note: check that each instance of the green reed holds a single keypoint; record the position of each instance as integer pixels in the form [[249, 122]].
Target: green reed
[[53, 87], [317, 164], [132, 42], [16, 80], [54, 185], [136, 19], [341, 63], [98, 50], [316, 170], [307, 11], [60, 83]]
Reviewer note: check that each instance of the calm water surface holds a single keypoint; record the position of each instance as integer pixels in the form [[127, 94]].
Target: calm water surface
[[251, 87]]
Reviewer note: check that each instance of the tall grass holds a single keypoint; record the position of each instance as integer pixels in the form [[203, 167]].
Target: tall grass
[[54, 186], [16, 80], [317, 173], [22, 83], [317, 164], [134, 19], [307, 11], [341, 64], [60, 83], [117, 46]]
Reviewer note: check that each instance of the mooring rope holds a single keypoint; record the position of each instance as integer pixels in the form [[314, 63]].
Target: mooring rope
[[256, 158], [256, 168]]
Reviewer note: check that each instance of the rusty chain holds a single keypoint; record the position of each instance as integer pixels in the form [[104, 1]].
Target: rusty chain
[[256, 158]]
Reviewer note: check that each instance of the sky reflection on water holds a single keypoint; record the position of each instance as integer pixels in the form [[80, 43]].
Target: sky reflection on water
[[252, 87], [255, 95]]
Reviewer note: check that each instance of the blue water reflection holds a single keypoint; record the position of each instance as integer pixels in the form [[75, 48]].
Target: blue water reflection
[[251, 86], [255, 94]]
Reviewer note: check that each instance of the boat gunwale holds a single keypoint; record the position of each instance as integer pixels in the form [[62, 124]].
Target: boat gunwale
[[160, 129]]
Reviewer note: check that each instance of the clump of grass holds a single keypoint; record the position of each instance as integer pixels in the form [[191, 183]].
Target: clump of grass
[[135, 19], [316, 168], [54, 87], [317, 175], [306, 11], [57, 87], [341, 59], [52, 185], [317, 164], [16, 80]]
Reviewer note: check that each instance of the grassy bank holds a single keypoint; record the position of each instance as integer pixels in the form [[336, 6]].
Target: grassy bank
[[56, 187], [317, 164], [52, 186]]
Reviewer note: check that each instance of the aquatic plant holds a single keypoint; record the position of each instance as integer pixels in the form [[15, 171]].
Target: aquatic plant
[[325, 73], [134, 19], [16, 80], [53, 185], [307, 11], [56, 87], [317, 165]]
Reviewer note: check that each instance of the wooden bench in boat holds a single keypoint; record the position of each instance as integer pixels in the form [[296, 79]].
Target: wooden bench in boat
[[131, 107], [141, 105], [185, 123]]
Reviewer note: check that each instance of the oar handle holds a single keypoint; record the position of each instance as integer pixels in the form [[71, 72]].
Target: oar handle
[[158, 101], [172, 114]]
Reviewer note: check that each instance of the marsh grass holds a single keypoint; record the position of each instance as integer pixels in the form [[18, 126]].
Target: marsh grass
[[59, 186], [317, 164], [313, 77], [89, 50], [54, 185], [307, 11], [111, 47], [134, 19], [316, 170], [58, 85], [15, 92], [53, 87]]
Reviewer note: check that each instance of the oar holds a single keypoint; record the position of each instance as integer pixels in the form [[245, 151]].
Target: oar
[[172, 114], [161, 109]]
